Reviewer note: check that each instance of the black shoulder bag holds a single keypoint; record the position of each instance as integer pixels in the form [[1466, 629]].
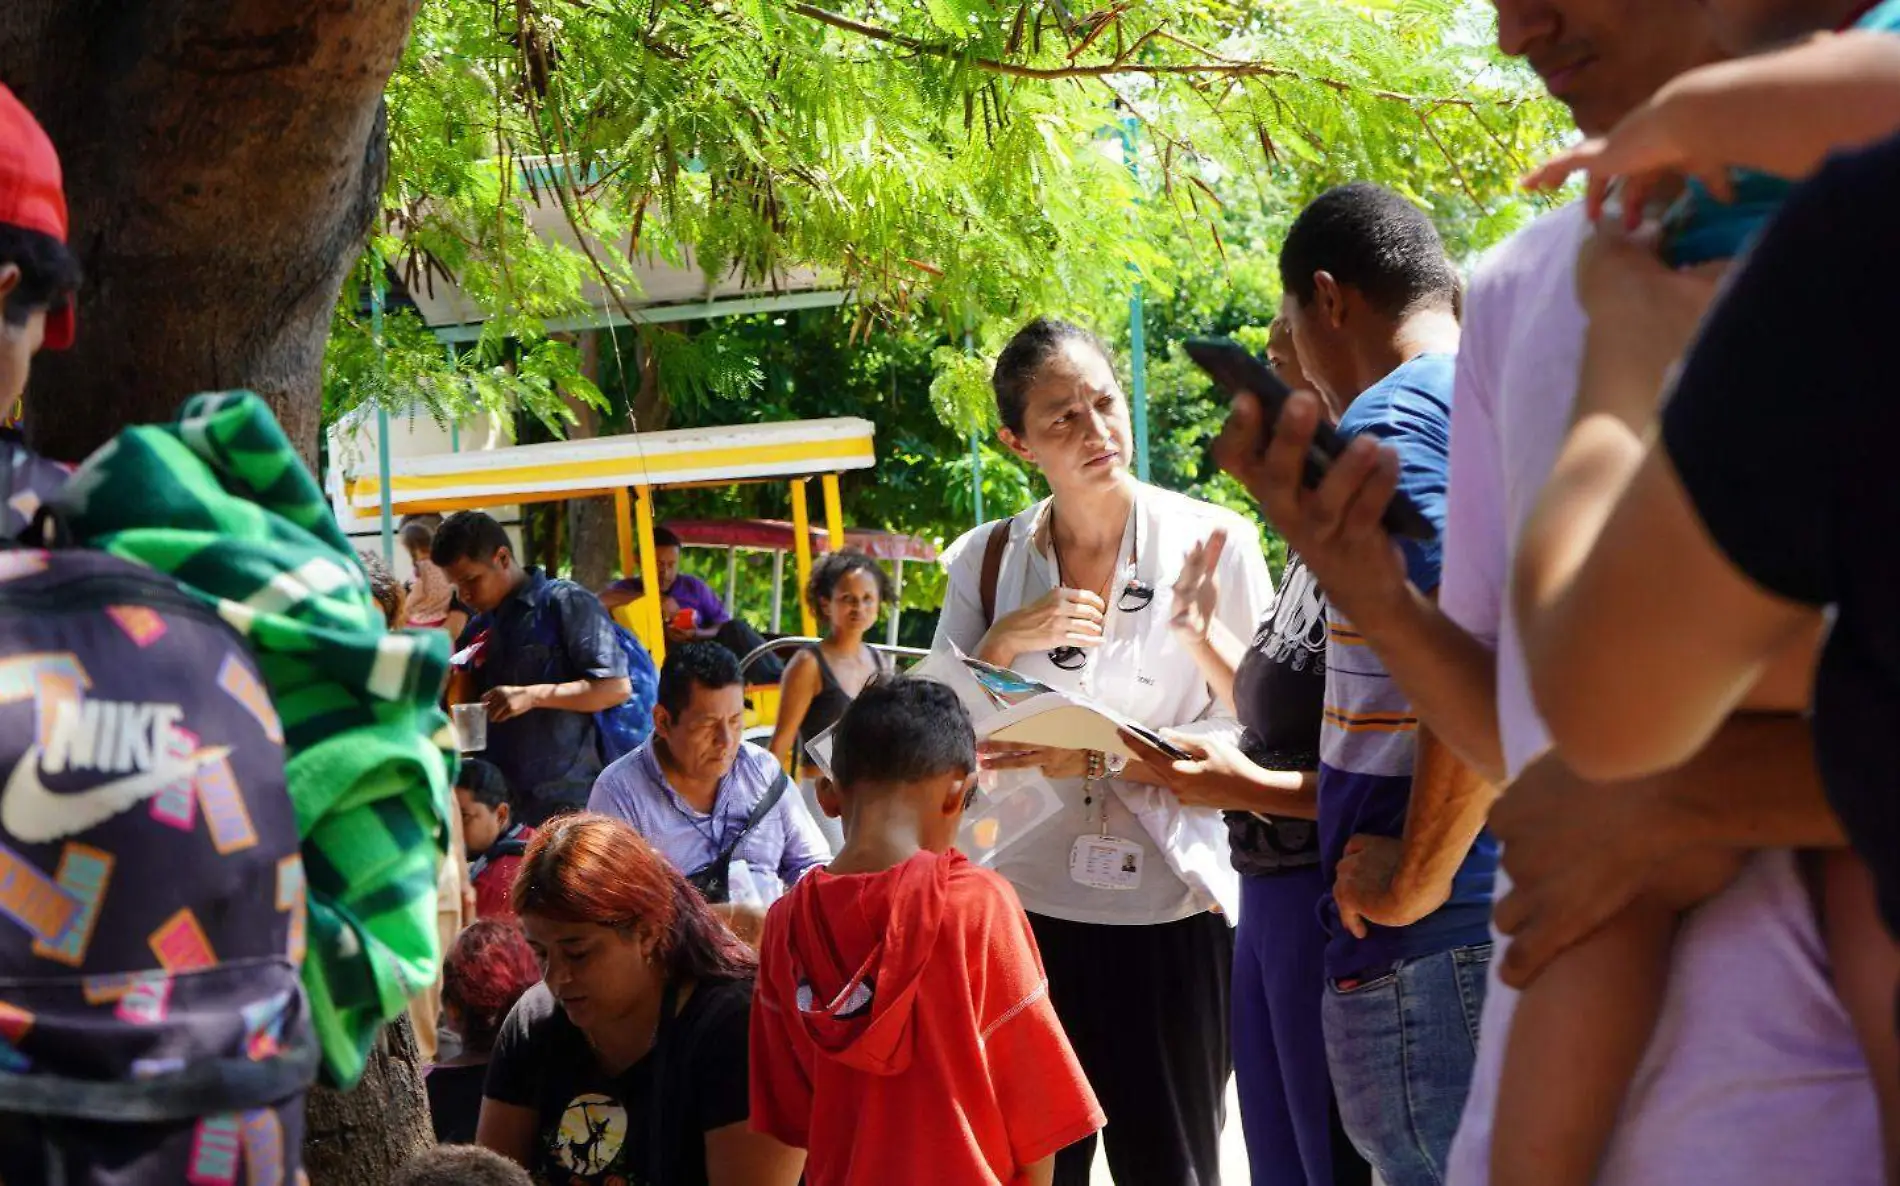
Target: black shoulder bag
[[712, 879]]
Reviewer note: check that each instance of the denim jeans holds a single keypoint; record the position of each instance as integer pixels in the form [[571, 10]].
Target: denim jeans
[[1401, 1046]]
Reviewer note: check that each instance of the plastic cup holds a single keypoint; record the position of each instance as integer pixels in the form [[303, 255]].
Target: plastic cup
[[471, 727]]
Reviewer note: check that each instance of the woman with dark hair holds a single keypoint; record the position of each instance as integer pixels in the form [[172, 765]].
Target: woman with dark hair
[[845, 592], [486, 972], [628, 1062], [1123, 882]]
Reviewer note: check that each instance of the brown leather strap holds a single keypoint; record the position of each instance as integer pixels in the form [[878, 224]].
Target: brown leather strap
[[993, 550]]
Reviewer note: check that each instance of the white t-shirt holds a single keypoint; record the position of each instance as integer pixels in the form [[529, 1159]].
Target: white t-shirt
[[1141, 672], [1754, 1076]]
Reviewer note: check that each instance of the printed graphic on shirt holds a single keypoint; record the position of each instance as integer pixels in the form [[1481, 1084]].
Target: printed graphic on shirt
[[243, 686], [215, 1149], [591, 1137], [1296, 634], [14, 565], [32, 899], [290, 898], [147, 1000], [180, 944], [263, 1149]]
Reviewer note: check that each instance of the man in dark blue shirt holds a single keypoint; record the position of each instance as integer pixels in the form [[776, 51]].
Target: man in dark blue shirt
[[542, 656]]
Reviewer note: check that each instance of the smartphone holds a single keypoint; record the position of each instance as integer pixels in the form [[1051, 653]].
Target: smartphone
[[1161, 743], [1236, 370]]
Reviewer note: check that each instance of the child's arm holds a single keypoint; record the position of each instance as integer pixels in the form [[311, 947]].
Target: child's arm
[[1778, 113], [1042, 1173]]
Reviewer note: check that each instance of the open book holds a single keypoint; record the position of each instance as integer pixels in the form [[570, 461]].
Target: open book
[[1032, 713]]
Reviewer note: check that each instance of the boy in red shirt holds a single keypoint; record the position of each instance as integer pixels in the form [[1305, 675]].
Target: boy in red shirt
[[495, 838], [901, 1028]]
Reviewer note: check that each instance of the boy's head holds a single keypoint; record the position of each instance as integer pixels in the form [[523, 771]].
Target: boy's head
[[481, 794], [461, 1165], [474, 551], [38, 274], [910, 737], [1358, 262]]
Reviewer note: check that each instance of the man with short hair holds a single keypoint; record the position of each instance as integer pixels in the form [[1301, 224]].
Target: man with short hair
[[695, 790], [541, 656], [1369, 296], [682, 594], [1754, 1076]]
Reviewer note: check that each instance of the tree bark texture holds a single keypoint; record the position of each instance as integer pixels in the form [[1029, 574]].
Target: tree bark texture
[[223, 160], [593, 537], [363, 1136]]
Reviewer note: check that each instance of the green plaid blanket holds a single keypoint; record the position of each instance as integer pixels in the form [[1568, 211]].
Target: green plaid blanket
[[221, 502]]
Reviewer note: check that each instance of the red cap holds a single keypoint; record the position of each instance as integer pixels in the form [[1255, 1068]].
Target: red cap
[[32, 195]]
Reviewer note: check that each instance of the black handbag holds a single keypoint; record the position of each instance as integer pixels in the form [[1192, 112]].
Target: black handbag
[[712, 880]]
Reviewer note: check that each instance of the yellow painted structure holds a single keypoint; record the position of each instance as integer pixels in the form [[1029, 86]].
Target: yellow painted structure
[[631, 468]]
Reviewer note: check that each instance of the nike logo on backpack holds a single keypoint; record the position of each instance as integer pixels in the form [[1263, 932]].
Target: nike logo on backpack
[[35, 815]]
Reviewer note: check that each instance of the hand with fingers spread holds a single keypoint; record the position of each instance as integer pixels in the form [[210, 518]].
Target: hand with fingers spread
[[1370, 886], [1197, 589], [1060, 618], [1052, 762], [1335, 527]]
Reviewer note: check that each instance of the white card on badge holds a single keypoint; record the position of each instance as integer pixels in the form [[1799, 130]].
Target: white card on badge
[[1105, 863]]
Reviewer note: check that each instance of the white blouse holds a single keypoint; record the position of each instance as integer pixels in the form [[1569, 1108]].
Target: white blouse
[[1139, 670]]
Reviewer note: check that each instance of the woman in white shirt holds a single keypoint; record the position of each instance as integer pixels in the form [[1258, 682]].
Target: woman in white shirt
[[1122, 885]]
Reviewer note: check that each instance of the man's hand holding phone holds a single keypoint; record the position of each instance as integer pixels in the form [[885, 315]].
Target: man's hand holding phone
[[1335, 527]]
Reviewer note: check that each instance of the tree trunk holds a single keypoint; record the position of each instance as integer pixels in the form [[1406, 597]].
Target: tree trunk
[[593, 537], [364, 1136], [223, 161]]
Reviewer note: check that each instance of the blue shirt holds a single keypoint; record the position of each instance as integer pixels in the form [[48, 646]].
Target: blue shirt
[[547, 632], [786, 844], [1369, 733]]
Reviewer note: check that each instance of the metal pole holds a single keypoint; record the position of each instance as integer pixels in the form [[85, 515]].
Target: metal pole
[[455, 426], [897, 599], [732, 579], [778, 592], [976, 447], [382, 412], [1137, 329]]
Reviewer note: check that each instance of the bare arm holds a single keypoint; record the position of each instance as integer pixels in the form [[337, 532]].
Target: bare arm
[[1449, 676], [1218, 775], [797, 687], [1042, 1173], [1396, 883], [737, 1156], [508, 1129], [1218, 654], [1578, 852]]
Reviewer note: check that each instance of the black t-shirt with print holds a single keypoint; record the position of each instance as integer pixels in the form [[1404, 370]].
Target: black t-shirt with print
[[1279, 694], [595, 1129], [1782, 428]]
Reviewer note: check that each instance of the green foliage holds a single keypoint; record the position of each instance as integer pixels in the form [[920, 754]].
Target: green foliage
[[956, 165]]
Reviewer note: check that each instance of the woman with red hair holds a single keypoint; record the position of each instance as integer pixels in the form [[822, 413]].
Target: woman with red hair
[[486, 972], [628, 1062]]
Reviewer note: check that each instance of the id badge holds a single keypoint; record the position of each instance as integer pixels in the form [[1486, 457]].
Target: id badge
[[1105, 863]]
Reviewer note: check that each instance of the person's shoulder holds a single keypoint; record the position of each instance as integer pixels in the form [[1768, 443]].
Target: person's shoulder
[[760, 761], [628, 772], [1528, 255], [978, 896], [1176, 506], [1419, 388], [536, 1016], [719, 1005], [972, 542]]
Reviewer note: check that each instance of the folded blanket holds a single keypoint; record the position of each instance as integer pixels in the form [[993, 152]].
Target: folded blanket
[[222, 503]]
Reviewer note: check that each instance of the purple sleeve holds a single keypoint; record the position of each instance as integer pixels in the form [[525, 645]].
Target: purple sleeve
[[1471, 588], [694, 594]]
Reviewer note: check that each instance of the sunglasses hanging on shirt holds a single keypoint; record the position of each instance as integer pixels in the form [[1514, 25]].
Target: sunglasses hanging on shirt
[[1136, 595]]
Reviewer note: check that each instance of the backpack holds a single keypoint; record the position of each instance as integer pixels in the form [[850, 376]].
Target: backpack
[[149, 859], [626, 726]]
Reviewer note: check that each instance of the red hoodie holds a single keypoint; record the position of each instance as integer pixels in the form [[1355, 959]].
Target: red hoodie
[[902, 1031]]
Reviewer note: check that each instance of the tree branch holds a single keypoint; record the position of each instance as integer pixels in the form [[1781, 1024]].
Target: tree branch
[[1215, 64]]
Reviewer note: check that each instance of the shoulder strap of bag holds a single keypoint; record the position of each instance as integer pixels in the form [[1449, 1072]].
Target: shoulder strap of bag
[[993, 549], [763, 809]]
